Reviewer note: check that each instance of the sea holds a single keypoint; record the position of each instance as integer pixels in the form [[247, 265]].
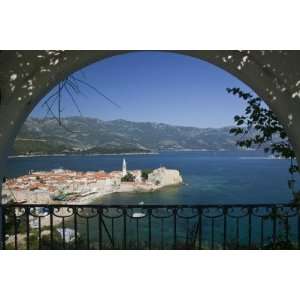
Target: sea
[[210, 177]]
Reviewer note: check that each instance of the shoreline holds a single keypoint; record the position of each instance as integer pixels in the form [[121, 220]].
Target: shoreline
[[131, 153], [60, 186], [97, 196], [81, 154]]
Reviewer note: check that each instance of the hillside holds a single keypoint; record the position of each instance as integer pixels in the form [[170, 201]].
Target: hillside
[[88, 135]]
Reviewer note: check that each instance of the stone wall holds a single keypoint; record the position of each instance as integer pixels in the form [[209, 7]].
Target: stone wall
[[163, 176]]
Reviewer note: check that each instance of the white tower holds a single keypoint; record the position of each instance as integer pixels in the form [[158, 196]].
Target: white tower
[[124, 168]]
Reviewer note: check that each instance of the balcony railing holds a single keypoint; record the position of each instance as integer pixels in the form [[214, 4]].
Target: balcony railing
[[150, 227]]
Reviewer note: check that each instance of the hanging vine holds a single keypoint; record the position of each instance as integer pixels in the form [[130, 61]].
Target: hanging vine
[[259, 127]]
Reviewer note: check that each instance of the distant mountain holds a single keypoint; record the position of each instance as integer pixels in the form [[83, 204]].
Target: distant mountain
[[89, 135]]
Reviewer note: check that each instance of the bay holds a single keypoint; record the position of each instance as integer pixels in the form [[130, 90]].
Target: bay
[[210, 177]]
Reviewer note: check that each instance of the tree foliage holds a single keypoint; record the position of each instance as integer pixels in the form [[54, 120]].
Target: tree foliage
[[145, 173], [128, 178], [259, 127]]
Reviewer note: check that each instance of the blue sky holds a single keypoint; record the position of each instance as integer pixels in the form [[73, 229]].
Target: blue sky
[[157, 87]]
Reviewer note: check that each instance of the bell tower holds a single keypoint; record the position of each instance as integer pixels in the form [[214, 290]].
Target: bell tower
[[124, 168]]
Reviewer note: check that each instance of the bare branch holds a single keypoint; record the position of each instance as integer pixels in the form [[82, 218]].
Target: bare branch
[[73, 100], [97, 91], [59, 122]]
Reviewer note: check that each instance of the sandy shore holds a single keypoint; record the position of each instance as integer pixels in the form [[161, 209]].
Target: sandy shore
[[124, 188]]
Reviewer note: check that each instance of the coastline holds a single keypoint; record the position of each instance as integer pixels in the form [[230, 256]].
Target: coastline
[[131, 153], [81, 154], [75, 187], [90, 199]]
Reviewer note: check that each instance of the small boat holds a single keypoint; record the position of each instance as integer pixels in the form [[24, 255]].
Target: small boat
[[87, 194], [138, 215], [21, 201], [42, 211], [59, 198], [141, 203], [67, 233], [34, 223]]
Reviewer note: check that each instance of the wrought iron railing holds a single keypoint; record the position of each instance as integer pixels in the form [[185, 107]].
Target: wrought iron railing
[[150, 227]]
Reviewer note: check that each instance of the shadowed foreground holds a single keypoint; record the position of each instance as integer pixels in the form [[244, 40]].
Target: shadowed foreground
[[151, 227]]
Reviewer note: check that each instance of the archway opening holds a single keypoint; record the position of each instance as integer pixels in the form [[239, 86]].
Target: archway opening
[[171, 128], [155, 88]]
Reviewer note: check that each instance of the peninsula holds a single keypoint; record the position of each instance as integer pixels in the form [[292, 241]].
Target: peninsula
[[72, 187]]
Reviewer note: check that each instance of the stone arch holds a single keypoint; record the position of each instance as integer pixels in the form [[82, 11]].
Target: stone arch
[[27, 76]]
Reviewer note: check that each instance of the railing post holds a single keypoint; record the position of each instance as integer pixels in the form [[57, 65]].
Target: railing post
[[75, 227], [27, 212], [249, 227], [274, 232], [225, 228], [262, 233], [213, 233], [298, 225], [51, 227], [175, 228], [149, 229], [124, 229], [100, 234], [2, 219], [200, 227], [88, 233], [2, 227]]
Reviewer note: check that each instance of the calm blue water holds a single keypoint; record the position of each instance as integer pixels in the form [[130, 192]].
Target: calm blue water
[[210, 177]]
